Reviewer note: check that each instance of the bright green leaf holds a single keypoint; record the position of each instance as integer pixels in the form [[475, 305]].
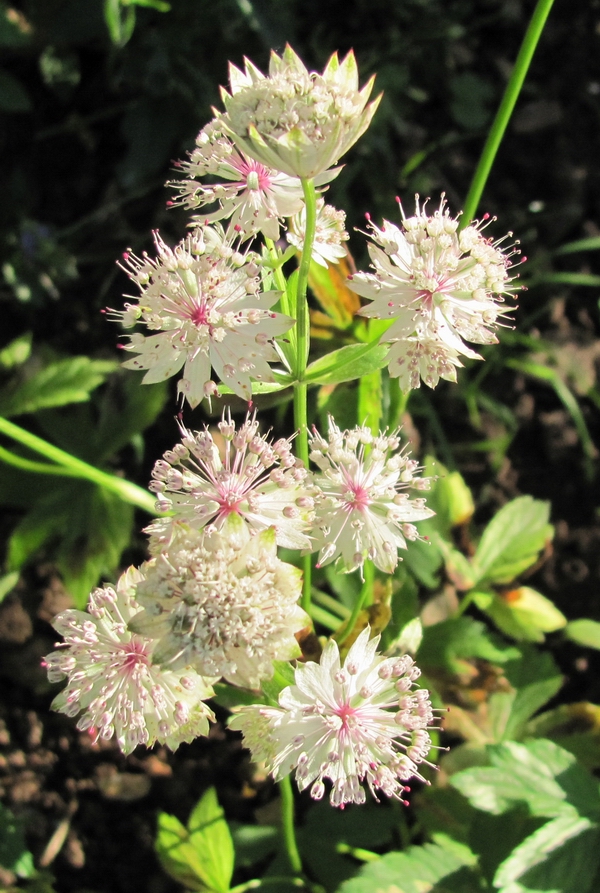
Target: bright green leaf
[[445, 644], [283, 675], [15, 353], [66, 381], [534, 679], [418, 869], [512, 540], [347, 363], [585, 632], [201, 855], [524, 614], [8, 583], [561, 855]]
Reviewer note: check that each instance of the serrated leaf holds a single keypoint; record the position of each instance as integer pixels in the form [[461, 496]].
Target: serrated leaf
[[445, 644], [563, 855], [60, 383], [85, 528], [17, 352], [524, 614], [534, 678], [419, 869], [576, 727], [538, 773], [347, 363], [585, 632], [512, 540], [201, 855]]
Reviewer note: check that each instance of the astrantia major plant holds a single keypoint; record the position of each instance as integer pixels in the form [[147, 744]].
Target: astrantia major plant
[[226, 310]]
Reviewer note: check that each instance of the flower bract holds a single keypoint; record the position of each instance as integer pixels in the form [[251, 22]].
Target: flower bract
[[296, 121]]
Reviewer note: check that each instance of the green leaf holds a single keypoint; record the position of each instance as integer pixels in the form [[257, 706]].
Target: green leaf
[[585, 632], [561, 855], [539, 773], [14, 855], [283, 675], [424, 557], [370, 407], [125, 410], [576, 727], [448, 643], [8, 583], [253, 843], [328, 832], [512, 540], [230, 697], [522, 613], [450, 498], [86, 529], [347, 363], [66, 381], [419, 869], [534, 678], [200, 856], [15, 353]]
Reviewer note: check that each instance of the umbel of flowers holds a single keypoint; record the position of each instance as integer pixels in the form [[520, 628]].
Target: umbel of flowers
[[215, 601]]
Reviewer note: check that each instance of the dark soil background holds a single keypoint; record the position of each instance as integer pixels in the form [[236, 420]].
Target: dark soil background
[[88, 132]]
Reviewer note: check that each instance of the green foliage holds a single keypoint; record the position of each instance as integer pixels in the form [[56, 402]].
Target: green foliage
[[14, 855], [200, 855]]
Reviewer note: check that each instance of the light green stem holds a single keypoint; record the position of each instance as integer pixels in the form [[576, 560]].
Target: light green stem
[[70, 466], [287, 823], [302, 350], [511, 94], [365, 598]]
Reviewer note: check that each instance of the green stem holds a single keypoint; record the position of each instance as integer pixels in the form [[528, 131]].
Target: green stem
[[287, 822], [511, 94], [302, 351], [71, 466], [365, 598]]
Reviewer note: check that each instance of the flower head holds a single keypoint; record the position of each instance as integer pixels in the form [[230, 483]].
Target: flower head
[[296, 121], [363, 510], [256, 479], [437, 286], [253, 197], [222, 603], [330, 235], [204, 299], [351, 724], [113, 681]]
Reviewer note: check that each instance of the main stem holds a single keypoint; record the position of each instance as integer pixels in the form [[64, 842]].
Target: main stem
[[287, 824], [302, 351], [511, 94], [71, 466]]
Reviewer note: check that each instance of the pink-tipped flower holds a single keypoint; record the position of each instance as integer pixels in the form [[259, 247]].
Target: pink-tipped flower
[[362, 722], [113, 680], [221, 602], [254, 478], [438, 287], [362, 509], [296, 121], [204, 299], [253, 197]]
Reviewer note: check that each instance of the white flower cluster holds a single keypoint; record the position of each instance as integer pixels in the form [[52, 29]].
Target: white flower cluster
[[353, 724], [437, 286], [221, 603]]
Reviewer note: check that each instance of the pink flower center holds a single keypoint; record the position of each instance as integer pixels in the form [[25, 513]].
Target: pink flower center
[[356, 496], [345, 713], [134, 655], [199, 315], [254, 176]]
